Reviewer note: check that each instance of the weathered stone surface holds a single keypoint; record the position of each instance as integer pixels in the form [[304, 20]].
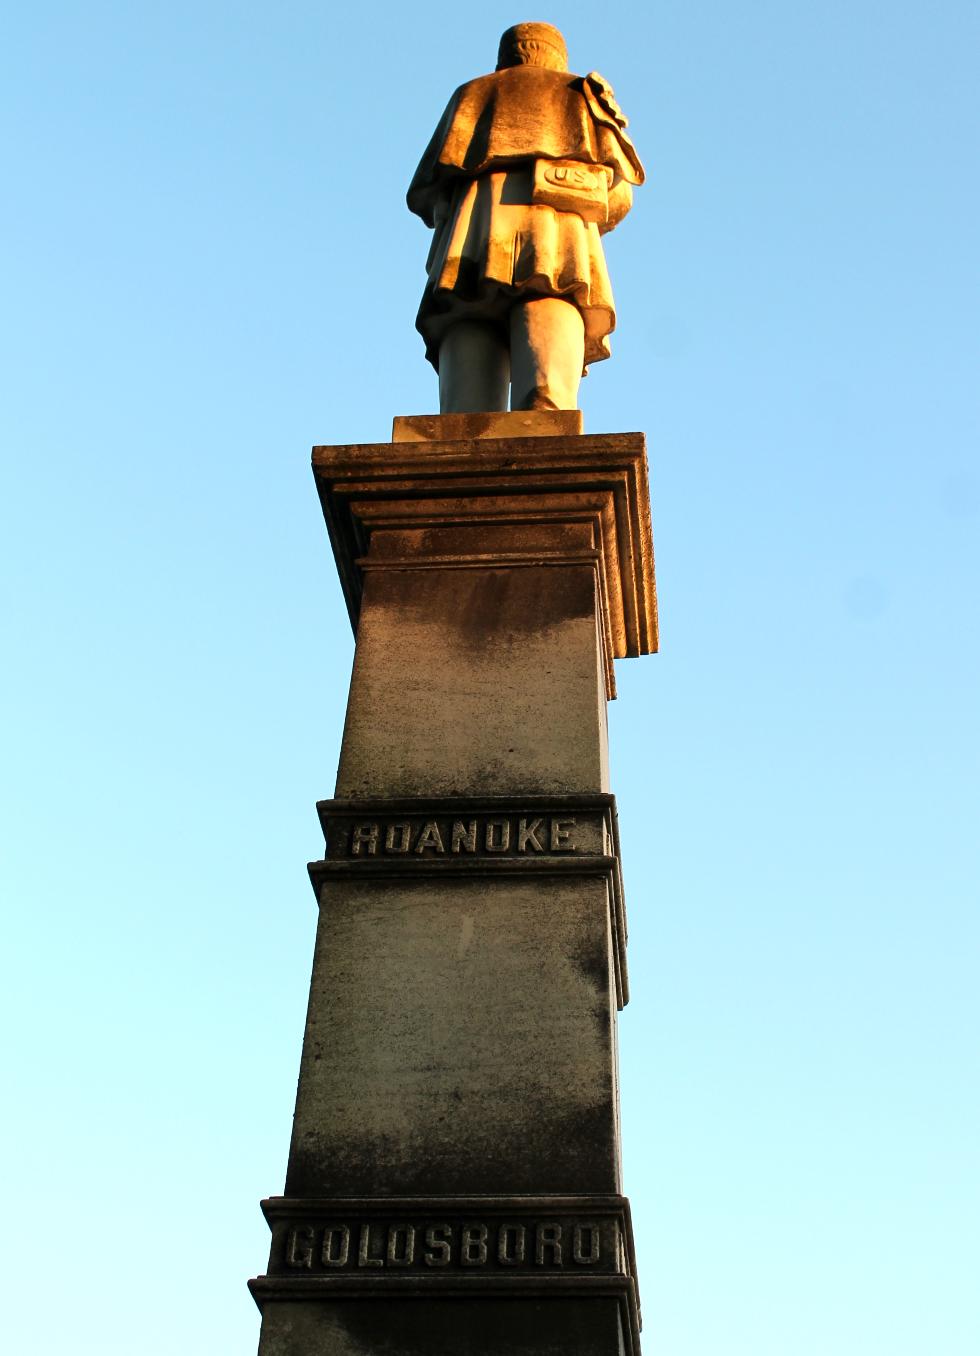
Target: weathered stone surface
[[595, 1324], [348, 1244], [531, 501], [459, 1039], [431, 831], [485, 838], [454, 1171], [563, 1267], [412, 428], [460, 686]]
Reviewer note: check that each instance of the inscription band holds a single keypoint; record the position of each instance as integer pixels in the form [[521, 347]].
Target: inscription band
[[479, 1246]]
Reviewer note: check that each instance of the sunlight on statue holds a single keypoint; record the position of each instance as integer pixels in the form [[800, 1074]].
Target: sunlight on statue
[[527, 168]]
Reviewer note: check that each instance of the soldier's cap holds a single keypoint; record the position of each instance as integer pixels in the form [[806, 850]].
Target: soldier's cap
[[546, 34]]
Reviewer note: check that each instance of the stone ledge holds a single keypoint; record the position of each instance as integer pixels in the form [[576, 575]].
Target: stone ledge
[[479, 1236], [577, 835], [357, 1248], [292, 1289], [533, 825], [277, 1207], [428, 1286], [411, 428], [494, 486]]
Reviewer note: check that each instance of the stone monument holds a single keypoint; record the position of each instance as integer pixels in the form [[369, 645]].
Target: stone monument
[[454, 1179]]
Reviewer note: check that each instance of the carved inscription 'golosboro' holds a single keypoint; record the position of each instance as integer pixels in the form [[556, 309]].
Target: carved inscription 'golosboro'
[[549, 1244]]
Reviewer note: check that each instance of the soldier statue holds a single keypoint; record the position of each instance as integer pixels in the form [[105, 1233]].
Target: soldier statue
[[527, 168]]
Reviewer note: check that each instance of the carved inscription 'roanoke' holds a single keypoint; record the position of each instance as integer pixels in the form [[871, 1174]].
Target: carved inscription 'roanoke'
[[477, 835]]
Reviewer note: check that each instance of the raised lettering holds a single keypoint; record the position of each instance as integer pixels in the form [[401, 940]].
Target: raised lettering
[[406, 1256], [527, 835], [366, 836], [437, 1240], [578, 1251], [464, 836], [299, 1247], [430, 837], [398, 837], [497, 837], [363, 1254], [473, 1251], [547, 1236], [336, 1245], [561, 835], [510, 1244]]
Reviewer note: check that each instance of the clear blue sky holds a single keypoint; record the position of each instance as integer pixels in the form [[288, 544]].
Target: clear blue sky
[[208, 267]]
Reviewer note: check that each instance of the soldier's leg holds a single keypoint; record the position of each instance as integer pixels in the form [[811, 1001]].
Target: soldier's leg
[[474, 369], [547, 352]]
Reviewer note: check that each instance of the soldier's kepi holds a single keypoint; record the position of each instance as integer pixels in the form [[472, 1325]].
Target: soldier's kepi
[[527, 168]]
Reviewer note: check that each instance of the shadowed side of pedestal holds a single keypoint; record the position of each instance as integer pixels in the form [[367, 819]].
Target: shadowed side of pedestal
[[454, 1178]]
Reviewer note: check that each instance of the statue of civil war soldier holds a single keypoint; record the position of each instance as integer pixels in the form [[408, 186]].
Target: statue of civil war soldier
[[527, 169]]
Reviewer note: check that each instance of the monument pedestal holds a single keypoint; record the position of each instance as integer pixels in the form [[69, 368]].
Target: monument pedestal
[[454, 1174]]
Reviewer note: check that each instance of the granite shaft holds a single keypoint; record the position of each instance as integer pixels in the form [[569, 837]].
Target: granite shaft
[[454, 1180]]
